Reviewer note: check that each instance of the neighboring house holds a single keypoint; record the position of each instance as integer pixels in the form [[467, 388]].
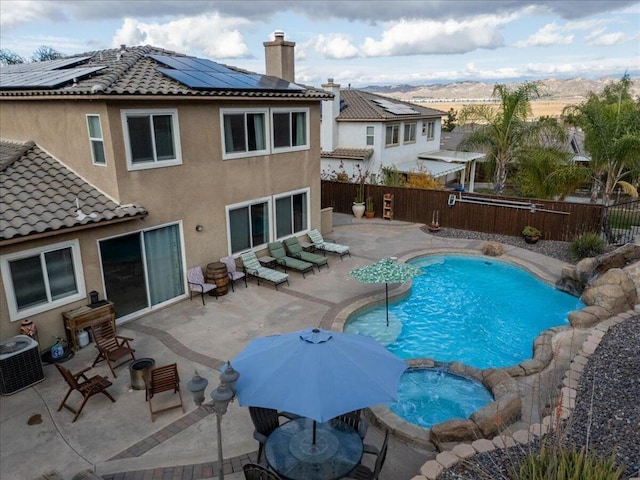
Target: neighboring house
[[363, 132], [120, 169]]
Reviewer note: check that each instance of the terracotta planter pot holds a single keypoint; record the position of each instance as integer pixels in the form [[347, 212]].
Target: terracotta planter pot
[[369, 214]]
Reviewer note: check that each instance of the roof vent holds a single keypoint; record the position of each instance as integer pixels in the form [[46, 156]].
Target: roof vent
[[278, 34], [123, 47]]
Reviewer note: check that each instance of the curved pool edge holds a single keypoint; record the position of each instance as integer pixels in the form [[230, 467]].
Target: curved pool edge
[[494, 417], [395, 293], [486, 422]]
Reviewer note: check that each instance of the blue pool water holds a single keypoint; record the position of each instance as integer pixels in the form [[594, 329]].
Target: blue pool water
[[427, 396], [478, 311]]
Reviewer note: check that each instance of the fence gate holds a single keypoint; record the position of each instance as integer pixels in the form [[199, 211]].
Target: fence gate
[[622, 222]]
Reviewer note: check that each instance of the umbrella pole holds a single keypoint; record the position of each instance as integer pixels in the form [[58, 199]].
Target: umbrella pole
[[314, 432], [386, 300]]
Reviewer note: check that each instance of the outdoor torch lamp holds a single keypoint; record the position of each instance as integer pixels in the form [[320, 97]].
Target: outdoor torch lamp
[[229, 377], [197, 386]]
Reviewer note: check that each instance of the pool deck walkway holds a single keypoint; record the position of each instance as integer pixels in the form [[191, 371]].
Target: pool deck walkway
[[119, 441]]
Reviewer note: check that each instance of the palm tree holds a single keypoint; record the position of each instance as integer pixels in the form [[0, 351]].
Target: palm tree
[[503, 127], [611, 125]]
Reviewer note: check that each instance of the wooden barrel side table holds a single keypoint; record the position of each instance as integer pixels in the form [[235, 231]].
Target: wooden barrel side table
[[217, 273]]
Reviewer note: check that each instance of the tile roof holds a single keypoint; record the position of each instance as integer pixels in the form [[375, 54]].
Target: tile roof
[[39, 195], [350, 153], [130, 71], [360, 105]]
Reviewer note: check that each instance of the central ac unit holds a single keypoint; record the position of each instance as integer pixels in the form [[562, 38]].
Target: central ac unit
[[20, 365]]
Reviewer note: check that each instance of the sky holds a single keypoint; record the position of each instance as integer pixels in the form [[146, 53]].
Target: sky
[[355, 42]]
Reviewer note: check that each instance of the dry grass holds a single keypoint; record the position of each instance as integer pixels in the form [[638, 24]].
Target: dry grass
[[540, 107]]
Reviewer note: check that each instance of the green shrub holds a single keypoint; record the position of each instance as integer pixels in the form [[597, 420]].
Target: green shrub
[[559, 463], [588, 244]]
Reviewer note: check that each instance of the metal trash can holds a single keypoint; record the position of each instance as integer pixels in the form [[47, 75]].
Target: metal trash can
[[139, 371]]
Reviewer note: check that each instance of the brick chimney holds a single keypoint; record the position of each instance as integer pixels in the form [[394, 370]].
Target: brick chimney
[[279, 58]]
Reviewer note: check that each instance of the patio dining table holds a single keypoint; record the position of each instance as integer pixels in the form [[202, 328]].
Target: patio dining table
[[290, 450]]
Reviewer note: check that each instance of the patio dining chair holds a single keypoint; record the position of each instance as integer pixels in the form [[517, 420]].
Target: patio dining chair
[[163, 379], [265, 421], [111, 347], [233, 272], [254, 471], [354, 420], [195, 279], [363, 472], [85, 386]]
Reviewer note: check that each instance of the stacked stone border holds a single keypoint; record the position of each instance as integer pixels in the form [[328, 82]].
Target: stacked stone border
[[432, 469]]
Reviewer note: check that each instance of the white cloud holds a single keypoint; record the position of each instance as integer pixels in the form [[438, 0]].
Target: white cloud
[[335, 46], [212, 35], [419, 37], [606, 40], [16, 13], [549, 35]]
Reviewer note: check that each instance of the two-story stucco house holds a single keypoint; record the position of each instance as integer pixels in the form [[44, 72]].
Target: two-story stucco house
[[121, 169], [363, 132]]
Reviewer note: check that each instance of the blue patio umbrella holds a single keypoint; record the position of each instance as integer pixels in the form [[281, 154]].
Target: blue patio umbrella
[[387, 270], [317, 374]]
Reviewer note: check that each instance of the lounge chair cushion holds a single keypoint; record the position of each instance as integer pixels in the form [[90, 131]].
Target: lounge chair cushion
[[255, 268], [321, 244], [296, 250], [276, 249]]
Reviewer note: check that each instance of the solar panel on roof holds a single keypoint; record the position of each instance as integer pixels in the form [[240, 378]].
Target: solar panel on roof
[[43, 66], [395, 108], [205, 74], [46, 78]]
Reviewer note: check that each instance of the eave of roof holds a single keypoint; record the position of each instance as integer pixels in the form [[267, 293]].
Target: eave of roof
[[349, 153], [41, 196]]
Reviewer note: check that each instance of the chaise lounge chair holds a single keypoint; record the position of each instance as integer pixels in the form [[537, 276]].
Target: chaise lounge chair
[[327, 245], [295, 250], [252, 267], [277, 251]]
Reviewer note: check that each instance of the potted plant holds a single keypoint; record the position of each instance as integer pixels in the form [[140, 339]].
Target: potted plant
[[358, 204], [368, 212], [434, 226], [531, 234]]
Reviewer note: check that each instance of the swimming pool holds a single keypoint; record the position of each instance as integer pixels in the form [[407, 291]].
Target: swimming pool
[[475, 310]]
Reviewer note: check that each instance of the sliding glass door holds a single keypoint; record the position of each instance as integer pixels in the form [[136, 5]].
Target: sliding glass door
[[142, 269]]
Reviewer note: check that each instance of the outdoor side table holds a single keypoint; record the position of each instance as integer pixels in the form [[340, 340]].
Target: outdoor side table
[[290, 451], [267, 261]]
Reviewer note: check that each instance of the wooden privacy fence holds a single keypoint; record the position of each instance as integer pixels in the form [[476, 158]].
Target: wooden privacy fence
[[491, 214]]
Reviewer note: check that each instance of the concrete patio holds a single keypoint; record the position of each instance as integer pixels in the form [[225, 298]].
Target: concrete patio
[[119, 441]]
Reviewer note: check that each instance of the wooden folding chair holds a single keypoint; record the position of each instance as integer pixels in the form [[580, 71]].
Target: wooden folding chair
[[163, 379], [111, 347], [85, 386]]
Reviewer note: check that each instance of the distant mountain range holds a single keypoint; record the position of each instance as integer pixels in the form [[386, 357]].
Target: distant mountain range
[[571, 89]]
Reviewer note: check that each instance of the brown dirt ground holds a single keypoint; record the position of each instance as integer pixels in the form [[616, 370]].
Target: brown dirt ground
[[539, 108]]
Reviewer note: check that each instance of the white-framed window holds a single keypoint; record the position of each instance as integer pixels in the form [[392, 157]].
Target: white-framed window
[[42, 278], [370, 135], [392, 135], [291, 212], [409, 133], [152, 138], [429, 129], [249, 224], [244, 133], [290, 129], [96, 140]]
